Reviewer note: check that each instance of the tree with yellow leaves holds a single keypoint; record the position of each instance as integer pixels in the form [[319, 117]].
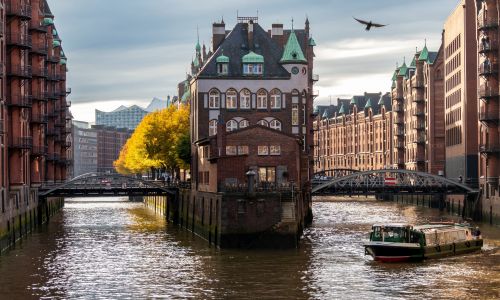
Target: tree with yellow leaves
[[156, 143]]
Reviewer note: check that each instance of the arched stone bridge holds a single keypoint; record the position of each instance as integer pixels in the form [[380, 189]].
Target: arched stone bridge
[[102, 185], [389, 181]]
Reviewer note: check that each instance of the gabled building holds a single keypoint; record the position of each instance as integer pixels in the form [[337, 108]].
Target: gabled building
[[251, 124], [355, 134], [418, 106]]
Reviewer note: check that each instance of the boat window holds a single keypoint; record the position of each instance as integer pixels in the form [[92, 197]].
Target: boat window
[[394, 234], [376, 236]]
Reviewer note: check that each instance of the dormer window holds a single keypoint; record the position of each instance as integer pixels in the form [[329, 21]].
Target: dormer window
[[253, 64], [222, 64]]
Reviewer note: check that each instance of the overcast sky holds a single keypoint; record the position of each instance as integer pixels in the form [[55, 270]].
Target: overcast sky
[[128, 51]]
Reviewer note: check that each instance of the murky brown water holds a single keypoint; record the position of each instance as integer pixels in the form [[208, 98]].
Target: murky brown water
[[118, 250]]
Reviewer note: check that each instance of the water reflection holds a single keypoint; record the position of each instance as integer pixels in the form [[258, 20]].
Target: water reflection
[[118, 249]]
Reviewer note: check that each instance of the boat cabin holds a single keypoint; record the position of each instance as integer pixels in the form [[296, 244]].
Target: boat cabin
[[396, 233]]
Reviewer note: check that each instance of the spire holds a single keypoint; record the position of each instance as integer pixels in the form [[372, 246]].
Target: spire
[[368, 103], [342, 109], [293, 52], [198, 47], [424, 54]]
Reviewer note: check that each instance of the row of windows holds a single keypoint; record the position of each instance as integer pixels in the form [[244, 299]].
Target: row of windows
[[261, 150], [248, 69], [453, 81], [453, 46], [244, 99], [454, 98], [454, 63], [234, 125], [454, 136], [454, 116]]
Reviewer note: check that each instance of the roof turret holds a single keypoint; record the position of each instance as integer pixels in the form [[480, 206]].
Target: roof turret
[[342, 109], [368, 103], [293, 53], [424, 55], [222, 58], [403, 69]]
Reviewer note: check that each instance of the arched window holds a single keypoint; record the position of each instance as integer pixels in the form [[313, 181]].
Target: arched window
[[231, 96], [244, 123], [245, 99], [262, 99], [231, 125], [275, 99], [263, 123], [275, 124], [214, 99], [212, 127]]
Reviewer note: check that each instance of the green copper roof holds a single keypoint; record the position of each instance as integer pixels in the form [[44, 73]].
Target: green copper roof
[[424, 55], [47, 21], [293, 52], [353, 101], [62, 61], [252, 58], [403, 70], [381, 101], [187, 92], [395, 75], [413, 63], [325, 114], [198, 47], [312, 42], [368, 103], [222, 58], [196, 63], [342, 109], [56, 44]]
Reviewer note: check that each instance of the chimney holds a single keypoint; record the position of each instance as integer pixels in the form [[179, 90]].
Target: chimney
[[250, 35], [277, 34], [218, 34]]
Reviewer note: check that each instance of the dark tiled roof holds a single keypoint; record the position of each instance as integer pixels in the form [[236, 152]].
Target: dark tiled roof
[[432, 57], [236, 45], [376, 99]]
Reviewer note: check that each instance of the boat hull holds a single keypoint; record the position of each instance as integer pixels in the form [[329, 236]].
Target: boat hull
[[400, 252]]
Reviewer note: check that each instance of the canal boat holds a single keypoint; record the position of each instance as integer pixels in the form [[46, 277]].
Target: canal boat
[[405, 242]]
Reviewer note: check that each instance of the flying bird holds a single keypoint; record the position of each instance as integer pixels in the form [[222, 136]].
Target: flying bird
[[370, 24]]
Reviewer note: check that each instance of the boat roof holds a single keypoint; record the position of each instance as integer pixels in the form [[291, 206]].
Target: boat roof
[[393, 225]]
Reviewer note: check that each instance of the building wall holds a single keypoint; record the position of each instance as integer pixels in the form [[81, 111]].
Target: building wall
[[110, 141], [460, 58], [358, 141], [126, 118], [85, 151]]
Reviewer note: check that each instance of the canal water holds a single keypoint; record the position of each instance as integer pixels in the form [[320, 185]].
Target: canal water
[[101, 249]]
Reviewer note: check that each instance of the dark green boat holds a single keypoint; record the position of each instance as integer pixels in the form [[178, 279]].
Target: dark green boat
[[405, 242]]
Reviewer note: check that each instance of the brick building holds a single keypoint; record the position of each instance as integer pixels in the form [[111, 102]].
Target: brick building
[[418, 105], [34, 112], [488, 36], [251, 107], [110, 141], [461, 106], [354, 134]]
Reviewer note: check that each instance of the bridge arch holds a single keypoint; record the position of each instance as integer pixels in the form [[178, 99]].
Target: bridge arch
[[98, 184], [392, 180], [338, 172]]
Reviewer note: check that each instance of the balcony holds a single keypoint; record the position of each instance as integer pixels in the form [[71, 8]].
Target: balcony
[[486, 92], [68, 91], [420, 139], [40, 48], [419, 126], [39, 118], [315, 93], [19, 71], [19, 40], [39, 150], [485, 47], [40, 96], [397, 109], [418, 99], [20, 100], [489, 148], [51, 76], [53, 157], [488, 69], [399, 132], [417, 84], [52, 95], [39, 72], [489, 117], [420, 159], [21, 143], [68, 103], [16, 9], [315, 77], [34, 26], [418, 112], [398, 120], [399, 145], [52, 58], [486, 23]]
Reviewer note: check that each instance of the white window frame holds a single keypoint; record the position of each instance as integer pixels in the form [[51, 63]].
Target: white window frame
[[243, 149], [275, 150], [214, 99], [262, 99], [231, 99], [263, 123], [244, 123], [262, 150], [212, 127], [231, 125], [275, 124], [245, 98], [275, 99], [231, 150]]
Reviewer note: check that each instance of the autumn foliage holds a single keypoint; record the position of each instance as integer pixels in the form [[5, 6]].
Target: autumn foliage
[[159, 141]]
